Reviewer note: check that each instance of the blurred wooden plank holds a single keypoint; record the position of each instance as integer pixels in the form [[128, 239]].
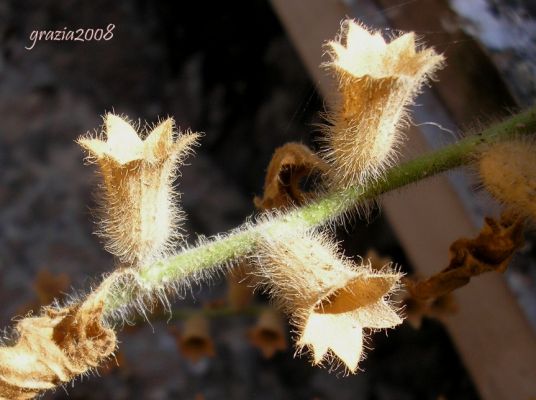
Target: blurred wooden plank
[[309, 25], [490, 331], [493, 337]]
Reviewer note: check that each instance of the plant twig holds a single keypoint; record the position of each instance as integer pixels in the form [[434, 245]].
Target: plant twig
[[242, 240]]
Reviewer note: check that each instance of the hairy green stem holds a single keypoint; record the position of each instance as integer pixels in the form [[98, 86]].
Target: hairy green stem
[[183, 313], [242, 241]]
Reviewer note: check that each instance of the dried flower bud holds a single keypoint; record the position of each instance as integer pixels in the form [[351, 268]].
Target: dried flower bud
[[54, 348], [139, 217], [290, 164], [329, 298], [508, 172], [269, 334], [195, 342], [376, 81]]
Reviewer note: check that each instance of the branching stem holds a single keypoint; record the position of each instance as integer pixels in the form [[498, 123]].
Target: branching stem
[[242, 241]]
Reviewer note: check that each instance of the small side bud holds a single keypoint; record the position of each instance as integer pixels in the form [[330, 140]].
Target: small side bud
[[508, 172], [139, 216], [376, 81]]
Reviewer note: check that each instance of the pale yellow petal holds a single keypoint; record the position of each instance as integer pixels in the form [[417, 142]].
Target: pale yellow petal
[[359, 39], [314, 336], [160, 140], [123, 142], [338, 49], [96, 147], [339, 333], [348, 342], [403, 45], [378, 315]]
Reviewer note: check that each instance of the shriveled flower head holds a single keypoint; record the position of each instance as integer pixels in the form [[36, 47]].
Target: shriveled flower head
[[508, 172], [329, 298], [54, 347], [139, 216], [376, 81]]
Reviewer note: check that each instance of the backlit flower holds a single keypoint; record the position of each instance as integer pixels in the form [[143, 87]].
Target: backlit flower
[[139, 216]]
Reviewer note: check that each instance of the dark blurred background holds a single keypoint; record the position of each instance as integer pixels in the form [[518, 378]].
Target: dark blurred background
[[223, 68]]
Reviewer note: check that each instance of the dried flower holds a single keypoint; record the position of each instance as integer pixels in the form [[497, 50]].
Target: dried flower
[[54, 348], [139, 217], [329, 298], [269, 334], [376, 81], [290, 164], [491, 250]]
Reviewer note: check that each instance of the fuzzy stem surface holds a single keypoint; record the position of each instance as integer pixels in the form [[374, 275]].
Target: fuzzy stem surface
[[242, 241]]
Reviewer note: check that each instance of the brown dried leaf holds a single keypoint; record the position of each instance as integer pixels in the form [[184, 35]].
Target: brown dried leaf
[[289, 165], [491, 250]]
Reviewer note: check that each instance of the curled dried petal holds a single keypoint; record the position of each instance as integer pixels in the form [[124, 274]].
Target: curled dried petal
[[491, 250], [54, 348], [290, 164]]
